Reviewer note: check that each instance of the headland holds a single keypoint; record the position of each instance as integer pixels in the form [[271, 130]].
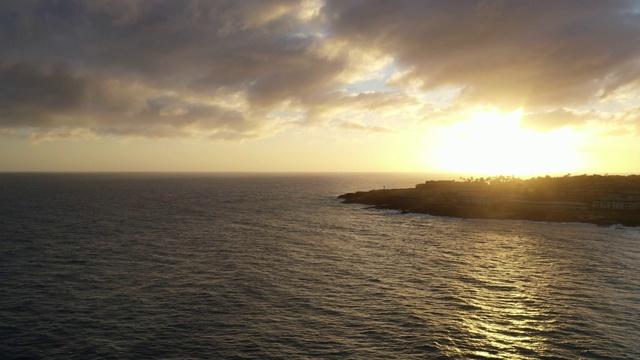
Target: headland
[[598, 199]]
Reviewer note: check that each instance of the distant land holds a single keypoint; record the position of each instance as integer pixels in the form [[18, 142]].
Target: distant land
[[597, 199]]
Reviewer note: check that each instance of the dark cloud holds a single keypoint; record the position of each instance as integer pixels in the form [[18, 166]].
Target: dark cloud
[[107, 65], [56, 100], [218, 68], [196, 45], [511, 53], [28, 95]]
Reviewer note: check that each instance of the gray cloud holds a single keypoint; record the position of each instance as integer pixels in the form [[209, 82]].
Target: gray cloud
[[107, 65], [56, 100], [218, 68], [510, 53], [176, 45]]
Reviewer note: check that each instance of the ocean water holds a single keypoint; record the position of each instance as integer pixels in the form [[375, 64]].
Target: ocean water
[[250, 266]]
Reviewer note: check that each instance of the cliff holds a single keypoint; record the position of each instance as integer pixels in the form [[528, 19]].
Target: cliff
[[601, 200]]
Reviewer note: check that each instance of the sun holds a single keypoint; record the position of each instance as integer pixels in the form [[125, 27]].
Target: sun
[[493, 143]]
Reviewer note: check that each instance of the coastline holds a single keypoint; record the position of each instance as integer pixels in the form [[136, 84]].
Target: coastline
[[461, 200]]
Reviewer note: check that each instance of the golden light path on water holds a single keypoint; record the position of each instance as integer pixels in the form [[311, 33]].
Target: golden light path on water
[[503, 291]]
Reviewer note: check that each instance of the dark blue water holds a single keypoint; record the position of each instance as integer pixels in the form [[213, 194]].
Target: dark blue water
[[272, 266]]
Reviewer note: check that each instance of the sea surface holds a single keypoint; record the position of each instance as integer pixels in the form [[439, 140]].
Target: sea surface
[[272, 266]]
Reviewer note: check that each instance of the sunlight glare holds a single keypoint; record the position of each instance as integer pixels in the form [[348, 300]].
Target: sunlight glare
[[492, 143]]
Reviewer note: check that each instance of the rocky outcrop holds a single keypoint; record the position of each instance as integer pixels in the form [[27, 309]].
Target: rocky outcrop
[[447, 203]]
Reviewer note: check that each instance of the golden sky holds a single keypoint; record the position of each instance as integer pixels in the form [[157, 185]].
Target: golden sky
[[477, 87]]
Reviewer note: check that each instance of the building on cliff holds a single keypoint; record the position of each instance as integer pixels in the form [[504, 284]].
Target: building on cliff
[[617, 202], [557, 205]]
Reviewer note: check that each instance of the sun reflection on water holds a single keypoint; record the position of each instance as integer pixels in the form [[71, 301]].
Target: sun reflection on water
[[504, 316]]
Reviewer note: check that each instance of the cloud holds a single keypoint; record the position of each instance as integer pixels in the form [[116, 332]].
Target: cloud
[[221, 69], [509, 53], [322, 109], [51, 100], [351, 125], [621, 122], [548, 120], [108, 66]]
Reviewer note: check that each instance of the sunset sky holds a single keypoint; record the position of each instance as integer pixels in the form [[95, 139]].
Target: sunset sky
[[477, 87]]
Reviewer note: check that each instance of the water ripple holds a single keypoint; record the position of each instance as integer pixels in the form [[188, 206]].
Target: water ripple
[[273, 267]]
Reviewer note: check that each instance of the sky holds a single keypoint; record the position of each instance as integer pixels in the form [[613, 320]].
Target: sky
[[476, 87]]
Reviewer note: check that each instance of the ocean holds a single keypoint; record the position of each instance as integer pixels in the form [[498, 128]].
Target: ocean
[[273, 266]]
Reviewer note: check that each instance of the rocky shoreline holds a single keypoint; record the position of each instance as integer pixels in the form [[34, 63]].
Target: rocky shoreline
[[449, 200]]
